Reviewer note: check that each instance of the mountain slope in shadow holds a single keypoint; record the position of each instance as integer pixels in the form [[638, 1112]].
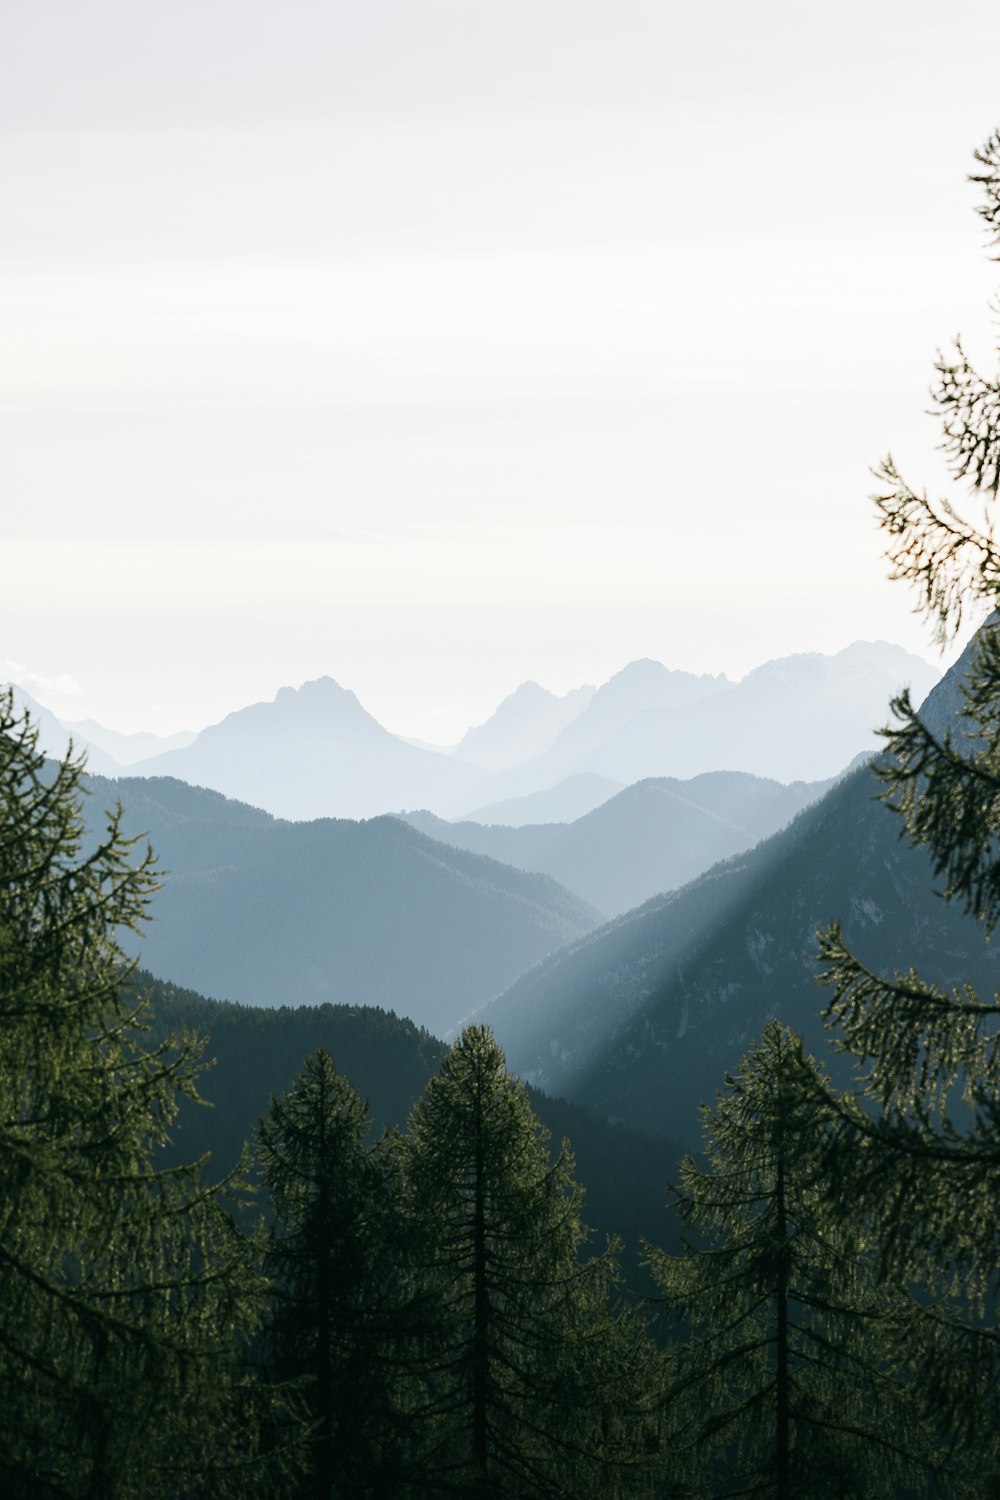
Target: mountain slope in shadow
[[367, 913], [643, 1017], [650, 837]]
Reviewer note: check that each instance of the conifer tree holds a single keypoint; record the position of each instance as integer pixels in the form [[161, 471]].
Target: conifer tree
[[920, 1163], [337, 1284], [780, 1388], [526, 1387], [126, 1291]]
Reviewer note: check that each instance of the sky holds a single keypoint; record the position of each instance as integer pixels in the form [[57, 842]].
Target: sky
[[436, 345]]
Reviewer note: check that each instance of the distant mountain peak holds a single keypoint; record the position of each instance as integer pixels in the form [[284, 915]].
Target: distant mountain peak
[[645, 674], [523, 726], [317, 688], [869, 659], [321, 704]]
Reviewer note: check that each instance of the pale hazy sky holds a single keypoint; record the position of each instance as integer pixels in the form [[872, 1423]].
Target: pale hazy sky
[[438, 344]]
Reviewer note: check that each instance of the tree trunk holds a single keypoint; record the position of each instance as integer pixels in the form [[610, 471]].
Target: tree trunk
[[782, 1436], [480, 1351]]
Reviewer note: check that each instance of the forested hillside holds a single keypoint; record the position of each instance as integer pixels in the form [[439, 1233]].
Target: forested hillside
[[255, 1053]]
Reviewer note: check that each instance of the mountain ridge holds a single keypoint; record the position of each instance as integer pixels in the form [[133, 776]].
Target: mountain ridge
[[315, 751], [373, 912], [650, 837], [643, 1018]]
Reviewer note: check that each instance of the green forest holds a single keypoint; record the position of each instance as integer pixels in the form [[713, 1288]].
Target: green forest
[[404, 1300]]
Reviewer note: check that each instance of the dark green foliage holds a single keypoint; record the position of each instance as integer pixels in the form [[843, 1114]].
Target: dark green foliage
[[946, 788], [256, 1052], [781, 1389], [919, 1165], [524, 1380], [338, 1286], [125, 1290]]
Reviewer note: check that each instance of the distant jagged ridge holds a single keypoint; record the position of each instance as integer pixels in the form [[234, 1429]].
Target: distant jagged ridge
[[313, 752], [316, 752], [523, 726]]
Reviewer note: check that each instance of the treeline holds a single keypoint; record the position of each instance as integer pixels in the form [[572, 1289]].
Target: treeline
[[423, 1314], [257, 1052]]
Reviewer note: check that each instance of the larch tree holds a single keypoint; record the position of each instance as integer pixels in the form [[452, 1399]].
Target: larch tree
[[127, 1292], [338, 1284], [778, 1385], [919, 1160], [526, 1385]]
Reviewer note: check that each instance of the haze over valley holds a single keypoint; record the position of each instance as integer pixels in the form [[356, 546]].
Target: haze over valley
[[623, 956], [499, 750], [310, 856], [307, 857]]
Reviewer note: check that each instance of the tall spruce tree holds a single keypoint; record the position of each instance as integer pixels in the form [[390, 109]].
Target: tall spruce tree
[[779, 1388], [527, 1387], [126, 1291], [338, 1287], [920, 1163]]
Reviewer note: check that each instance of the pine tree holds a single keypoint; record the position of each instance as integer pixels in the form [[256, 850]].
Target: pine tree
[[523, 1382], [338, 1291], [779, 1389], [126, 1292], [921, 1162]]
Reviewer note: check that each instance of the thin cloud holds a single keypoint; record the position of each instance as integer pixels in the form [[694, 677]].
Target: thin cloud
[[64, 686]]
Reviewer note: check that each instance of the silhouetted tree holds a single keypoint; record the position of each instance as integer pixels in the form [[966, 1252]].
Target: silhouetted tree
[[126, 1291], [338, 1290], [527, 1387], [781, 1388], [920, 1163]]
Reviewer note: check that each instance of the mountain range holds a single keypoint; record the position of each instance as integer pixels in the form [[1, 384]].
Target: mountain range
[[563, 802], [797, 718], [523, 726], [651, 837], [107, 751], [366, 913], [316, 752], [639, 1017], [643, 1018]]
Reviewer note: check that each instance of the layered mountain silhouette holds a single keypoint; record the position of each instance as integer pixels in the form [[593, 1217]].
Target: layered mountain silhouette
[[564, 802], [643, 1017], [798, 718], [125, 749], [651, 837], [642, 687], [55, 737], [315, 752], [372, 913], [522, 727], [108, 752]]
